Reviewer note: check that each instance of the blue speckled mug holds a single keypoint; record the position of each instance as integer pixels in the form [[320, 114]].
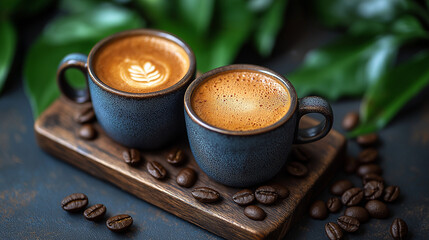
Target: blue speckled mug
[[246, 158], [137, 120]]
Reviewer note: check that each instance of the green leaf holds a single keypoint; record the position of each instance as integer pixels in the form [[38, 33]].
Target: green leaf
[[196, 14], [391, 92], [8, 6], [7, 43]]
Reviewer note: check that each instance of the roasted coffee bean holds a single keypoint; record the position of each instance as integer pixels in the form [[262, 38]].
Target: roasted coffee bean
[[282, 191], [399, 229], [244, 197], [340, 186], [318, 210], [266, 195], [296, 169], [360, 213], [377, 209], [367, 140], [255, 213], [352, 197], [131, 156], [368, 155], [95, 213], [350, 121], [186, 177], [391, 193], [300, 154], [176, 157], [373, 190], [75, 202], [334, 204], [369, 168], [119, 223], [372, 177], [85, 116], [349, 224], [156, 170], [333, 231], [350, 164], [87, 132], [206, 195]]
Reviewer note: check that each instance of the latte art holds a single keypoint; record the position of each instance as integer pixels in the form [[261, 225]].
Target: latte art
[[143, 75]]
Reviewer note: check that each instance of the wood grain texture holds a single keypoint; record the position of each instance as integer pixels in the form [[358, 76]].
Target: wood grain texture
[[56, 133]]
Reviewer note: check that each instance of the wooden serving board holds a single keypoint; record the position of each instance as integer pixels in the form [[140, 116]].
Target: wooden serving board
[[56, 133]]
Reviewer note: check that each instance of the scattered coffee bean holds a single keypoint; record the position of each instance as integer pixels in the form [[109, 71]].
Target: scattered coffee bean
[[369, 168], [86, 115], [372, 177], [156, 170], [350, 121], [255, 213], [186, 177], [377, 209], [244, 197], [367, 140], [95, 213], [391, 193], [334, 204], [318, 210], [300, 154], [296, 169], [373, 190], [340, 186], [352, 197], [75, 202], [350, 165], [266, 195], [360, 213], [399, 229], [333, 231], [131, 156], [119, 223], [368, 155], [349, 224], [282, 191], [87, 132], [176, 157], [206, 195]]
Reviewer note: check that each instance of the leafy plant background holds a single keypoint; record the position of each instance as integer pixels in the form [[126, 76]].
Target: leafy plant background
[[362, 62]]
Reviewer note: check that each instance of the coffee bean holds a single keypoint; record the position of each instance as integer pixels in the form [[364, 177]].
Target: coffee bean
[[368, 155], [206, 195], [352, 197], [340, 186], [244, 197], [156, 170], [373, 190], [131, 156], [334, 204], [186, 177], [333, 231], [372, 177], [391, 193], [119, 223], [360, 213], [296, 169], [369, 168], [86, 115], [318, 210], [176, 157], [95, 213], [367, 140], [349, 224], [75, 202], [255, 213], [87, 132], [399, 229], [300, 154], [377, 209], [282, 191], [350, 165], [350, 121], [266, 195]]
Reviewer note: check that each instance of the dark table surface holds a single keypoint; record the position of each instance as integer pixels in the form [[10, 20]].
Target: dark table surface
[[32, 183]]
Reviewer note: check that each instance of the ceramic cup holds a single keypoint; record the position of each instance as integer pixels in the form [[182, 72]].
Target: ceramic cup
[[246, 158], [136, 120]]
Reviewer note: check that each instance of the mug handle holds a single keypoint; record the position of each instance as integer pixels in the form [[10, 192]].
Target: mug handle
[[313, 104], [73, 60]]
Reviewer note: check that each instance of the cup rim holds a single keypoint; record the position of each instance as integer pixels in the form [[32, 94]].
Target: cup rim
[[143, 31], [190, 90]]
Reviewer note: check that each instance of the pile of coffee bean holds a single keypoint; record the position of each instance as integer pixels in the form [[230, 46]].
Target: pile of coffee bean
[[361, 202], [76, 202], [85, 117]]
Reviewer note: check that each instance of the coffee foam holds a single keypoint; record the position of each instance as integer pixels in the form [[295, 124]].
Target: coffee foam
[[241, 100], [141, 63]]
